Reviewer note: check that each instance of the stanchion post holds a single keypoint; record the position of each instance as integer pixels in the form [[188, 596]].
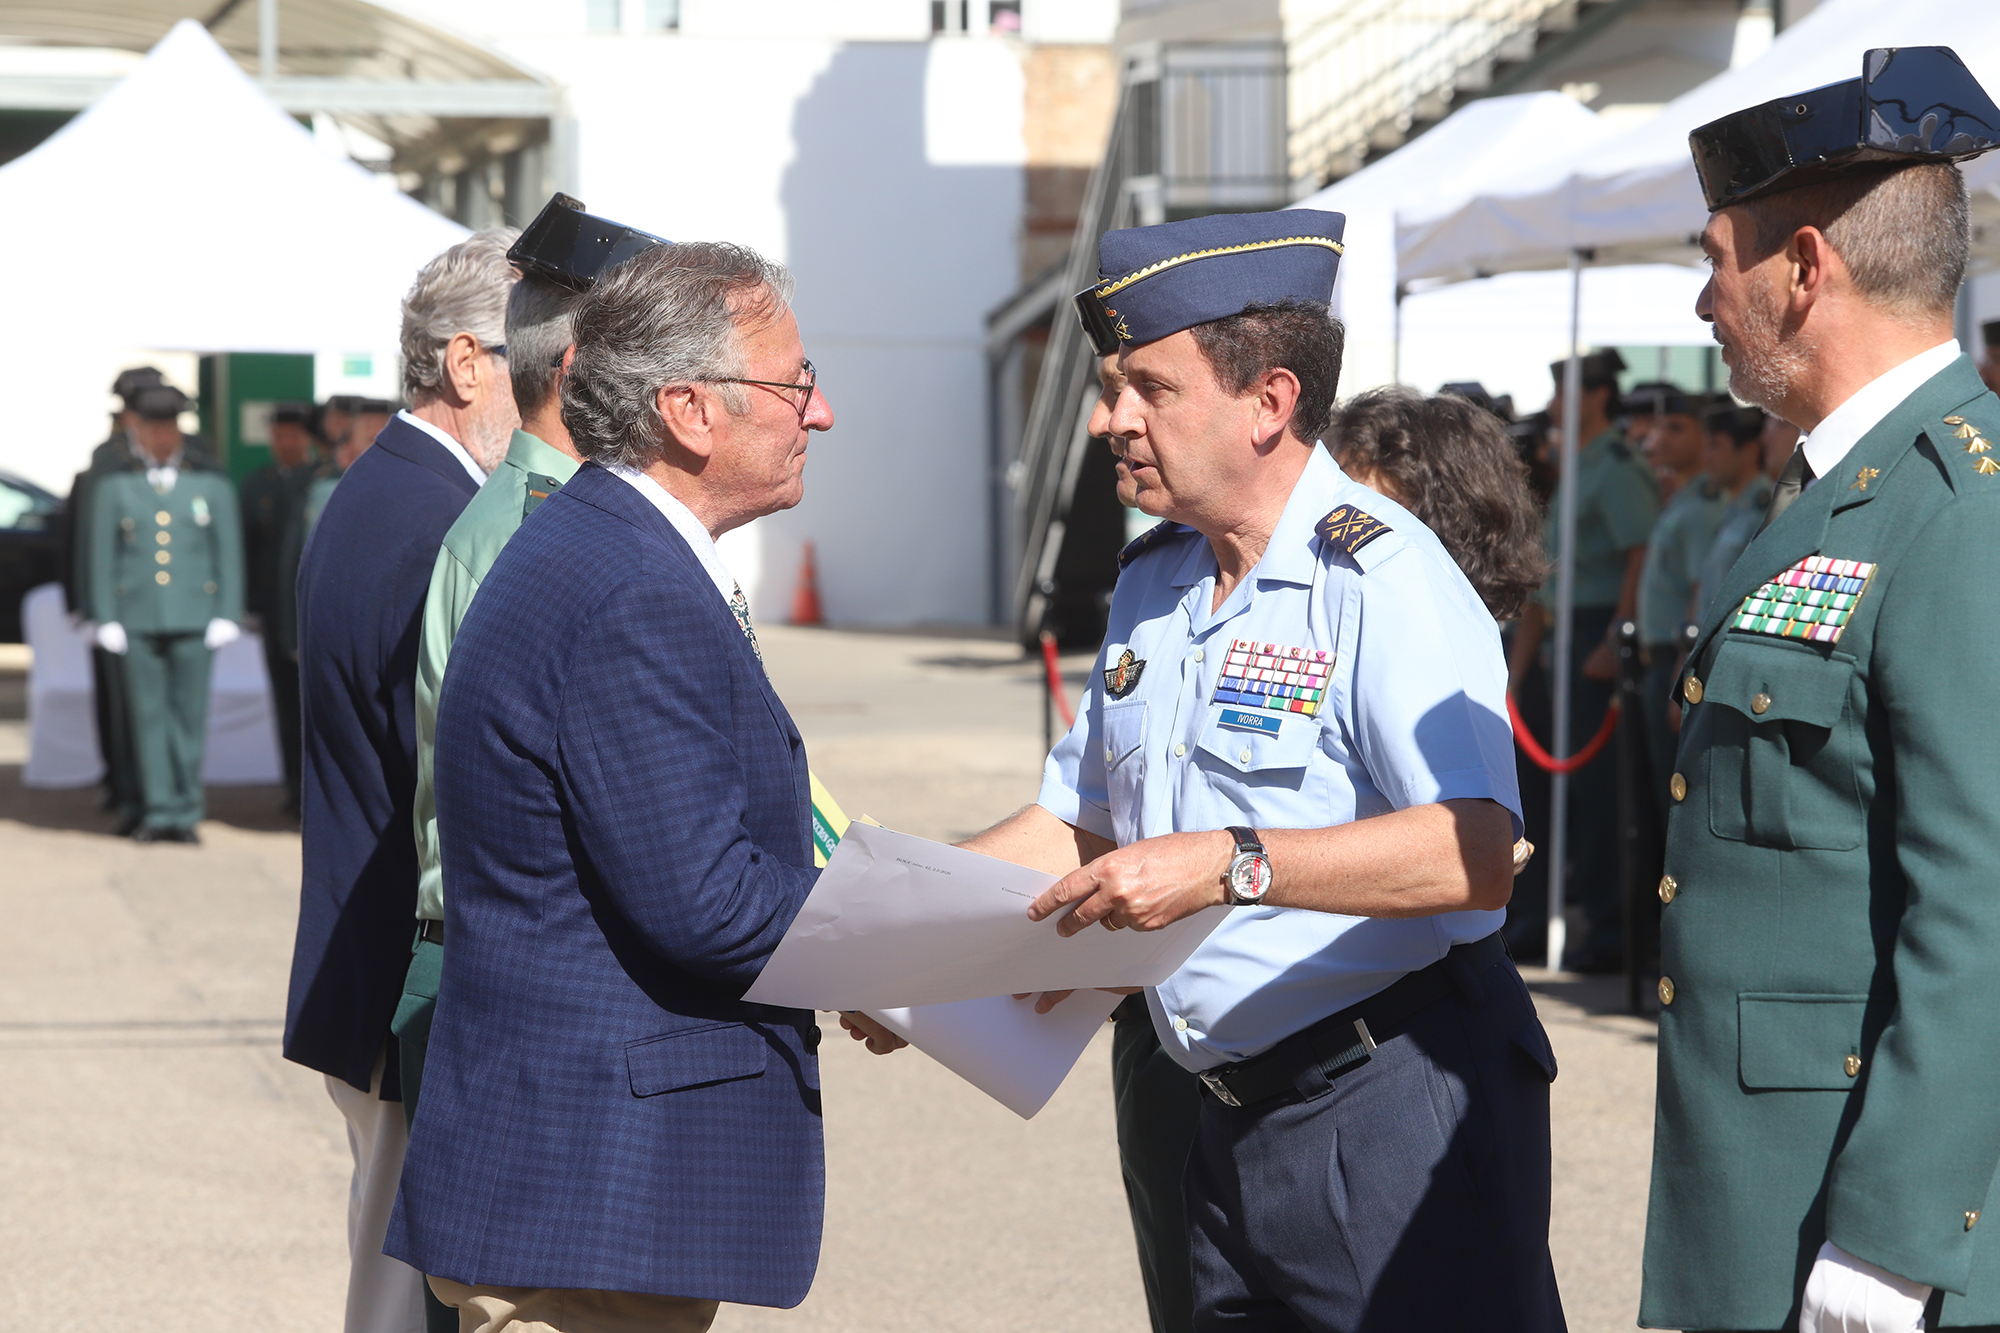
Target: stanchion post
[[1634, 793], [1572, 426]]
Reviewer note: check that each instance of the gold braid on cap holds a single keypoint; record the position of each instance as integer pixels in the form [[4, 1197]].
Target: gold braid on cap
[[1121, 284]]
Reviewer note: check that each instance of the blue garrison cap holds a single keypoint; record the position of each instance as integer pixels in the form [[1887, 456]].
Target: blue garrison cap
[[1156, 281]]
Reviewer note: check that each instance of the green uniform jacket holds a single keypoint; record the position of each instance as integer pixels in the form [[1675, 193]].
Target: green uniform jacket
[[526, 477], [1681, 537], [1830, 1042], [1617, 499], [165, 564]]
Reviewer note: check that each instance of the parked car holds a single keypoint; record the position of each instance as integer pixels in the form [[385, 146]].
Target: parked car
[[31, 540]]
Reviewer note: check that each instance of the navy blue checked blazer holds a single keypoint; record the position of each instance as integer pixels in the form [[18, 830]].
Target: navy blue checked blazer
[[362, 582], [623, 811]]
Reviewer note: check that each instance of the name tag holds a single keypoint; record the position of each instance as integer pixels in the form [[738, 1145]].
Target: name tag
[[1267, 723]]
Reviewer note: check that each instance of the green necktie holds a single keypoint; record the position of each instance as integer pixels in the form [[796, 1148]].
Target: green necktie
[[1792, 479]]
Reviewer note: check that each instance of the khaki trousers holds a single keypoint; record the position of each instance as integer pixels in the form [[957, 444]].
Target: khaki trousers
[[384, 1295], [483, 1309]]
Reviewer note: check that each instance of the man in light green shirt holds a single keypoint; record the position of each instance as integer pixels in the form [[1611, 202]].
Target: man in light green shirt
[[539, 460]]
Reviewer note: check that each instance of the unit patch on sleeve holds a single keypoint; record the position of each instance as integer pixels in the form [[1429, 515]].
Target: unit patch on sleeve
[[1273, 676], [1812, 600], [1350, 529]]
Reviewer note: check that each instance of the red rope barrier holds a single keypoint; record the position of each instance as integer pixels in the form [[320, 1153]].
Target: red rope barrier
[[1547, 762], [1054, 674]]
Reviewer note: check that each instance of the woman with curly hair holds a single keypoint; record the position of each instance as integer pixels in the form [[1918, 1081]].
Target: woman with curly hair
[[1452, 464]]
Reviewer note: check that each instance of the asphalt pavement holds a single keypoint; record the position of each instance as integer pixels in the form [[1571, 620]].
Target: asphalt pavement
[[164, 1168]]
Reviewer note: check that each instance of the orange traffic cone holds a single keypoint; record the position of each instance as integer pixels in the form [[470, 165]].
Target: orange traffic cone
[[805, 598]]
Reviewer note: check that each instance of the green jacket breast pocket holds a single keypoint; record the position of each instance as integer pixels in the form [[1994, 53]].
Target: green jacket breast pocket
[[1783, 746]]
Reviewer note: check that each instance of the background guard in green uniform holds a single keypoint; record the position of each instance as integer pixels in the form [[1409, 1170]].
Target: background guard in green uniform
[[1829, 1088], [1617, 499], [273, 498], [166, 569]]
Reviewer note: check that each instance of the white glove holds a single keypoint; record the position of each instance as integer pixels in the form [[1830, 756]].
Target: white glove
[[1850, 1295], [111, 638], [221, 633]]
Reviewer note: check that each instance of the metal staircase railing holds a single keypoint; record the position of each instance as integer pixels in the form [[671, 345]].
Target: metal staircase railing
[[1362, 75]]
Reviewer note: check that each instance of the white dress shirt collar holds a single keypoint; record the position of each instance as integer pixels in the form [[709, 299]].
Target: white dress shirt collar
[[684, 523], [1846, 424], [472, 469]]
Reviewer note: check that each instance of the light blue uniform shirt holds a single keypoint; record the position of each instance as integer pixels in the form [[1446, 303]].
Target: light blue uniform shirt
[[1413, 711]]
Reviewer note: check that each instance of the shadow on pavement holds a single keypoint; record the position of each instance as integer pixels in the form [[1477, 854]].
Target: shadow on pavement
[[75, 810], [1597, 996]]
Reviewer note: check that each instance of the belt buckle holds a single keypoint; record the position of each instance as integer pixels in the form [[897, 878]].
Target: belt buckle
[[1213, 1082]]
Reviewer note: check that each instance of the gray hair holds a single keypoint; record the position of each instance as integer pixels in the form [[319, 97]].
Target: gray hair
[[541, 323], [1905, 233], [463, 290], [670, 315]]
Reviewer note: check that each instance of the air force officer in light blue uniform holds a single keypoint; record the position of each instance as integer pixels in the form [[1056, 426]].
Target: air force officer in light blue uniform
[[1300, 710]]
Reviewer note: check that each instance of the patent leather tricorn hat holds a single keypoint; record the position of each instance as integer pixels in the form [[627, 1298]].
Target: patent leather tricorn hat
[[1911, 104], [569, 246]]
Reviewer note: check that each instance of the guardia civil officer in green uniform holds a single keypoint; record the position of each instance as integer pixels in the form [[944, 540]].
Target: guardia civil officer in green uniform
[[1680, 539], [166, 568], [560, 256], [1829, 1085], [1735, 453], [273, 496], [1617, 500]]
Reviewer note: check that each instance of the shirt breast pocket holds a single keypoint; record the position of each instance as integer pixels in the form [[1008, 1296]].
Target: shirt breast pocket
[[1782, 767], [1273, 754], [1125, 764]]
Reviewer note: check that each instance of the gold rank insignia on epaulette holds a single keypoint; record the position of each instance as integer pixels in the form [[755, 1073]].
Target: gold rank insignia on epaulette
[[1148, 539], [1975, 443], [1350, 529]]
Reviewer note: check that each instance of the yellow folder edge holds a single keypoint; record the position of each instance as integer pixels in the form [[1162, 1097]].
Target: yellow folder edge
[[828, 821]]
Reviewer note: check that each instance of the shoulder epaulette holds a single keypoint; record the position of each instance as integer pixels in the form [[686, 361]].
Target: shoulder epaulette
[[1973, 440], [1349, 529], [1164, 531]]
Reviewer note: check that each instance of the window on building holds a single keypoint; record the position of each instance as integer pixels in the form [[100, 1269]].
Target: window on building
[[663, 15], [603, 15]]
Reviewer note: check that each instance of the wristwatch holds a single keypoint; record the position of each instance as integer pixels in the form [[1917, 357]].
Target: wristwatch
[[1248, 878]]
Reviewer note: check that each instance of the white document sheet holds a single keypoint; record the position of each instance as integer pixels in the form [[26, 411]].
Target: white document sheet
[[898, 921], [1001, 1045]]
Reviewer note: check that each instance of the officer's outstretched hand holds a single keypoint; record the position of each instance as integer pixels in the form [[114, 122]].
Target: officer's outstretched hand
[[221, 633], [111, 638], [1145, 885]]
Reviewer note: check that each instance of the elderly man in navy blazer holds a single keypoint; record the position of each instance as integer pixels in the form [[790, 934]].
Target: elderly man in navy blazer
[[610, 1137], [362, 583]]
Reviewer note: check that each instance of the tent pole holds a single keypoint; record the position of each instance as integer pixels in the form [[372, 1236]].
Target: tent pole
[[1572, 426], [267, 39]]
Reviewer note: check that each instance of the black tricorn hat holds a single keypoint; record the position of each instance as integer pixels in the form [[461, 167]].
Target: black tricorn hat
[[298, 414], [1911, 104], [160, 402], [129, 382], [1600, 369], [569, 246]]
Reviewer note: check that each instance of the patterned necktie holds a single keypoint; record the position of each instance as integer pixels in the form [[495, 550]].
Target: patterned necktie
[[1792, 480], [739, 606]]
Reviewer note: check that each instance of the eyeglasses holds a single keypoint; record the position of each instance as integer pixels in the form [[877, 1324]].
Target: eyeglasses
[[805, 403]]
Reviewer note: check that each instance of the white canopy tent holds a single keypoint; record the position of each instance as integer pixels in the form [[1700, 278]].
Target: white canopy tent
[[1504, 332], [1634, 197], [184, 210]]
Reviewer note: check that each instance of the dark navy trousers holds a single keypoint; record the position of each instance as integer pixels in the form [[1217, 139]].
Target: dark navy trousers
[[1408, 1194]]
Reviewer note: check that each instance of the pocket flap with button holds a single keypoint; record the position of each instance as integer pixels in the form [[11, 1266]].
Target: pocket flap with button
[[714, 1053], [1775, 682], [1799, 1040], [1289, 745]]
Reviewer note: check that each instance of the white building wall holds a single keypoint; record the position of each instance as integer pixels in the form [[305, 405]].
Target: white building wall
[[888, 175]]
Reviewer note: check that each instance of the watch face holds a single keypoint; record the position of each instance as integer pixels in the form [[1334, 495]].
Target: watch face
[[1249, 876]]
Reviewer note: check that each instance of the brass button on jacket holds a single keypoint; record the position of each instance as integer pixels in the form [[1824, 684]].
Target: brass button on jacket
[[1669, 886], [1852, 1065], [1760, 703], [1666, 990], [1691, 691], [1678, 785]]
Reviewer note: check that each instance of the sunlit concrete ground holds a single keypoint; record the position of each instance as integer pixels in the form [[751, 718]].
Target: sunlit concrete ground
[[163, 1168]]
